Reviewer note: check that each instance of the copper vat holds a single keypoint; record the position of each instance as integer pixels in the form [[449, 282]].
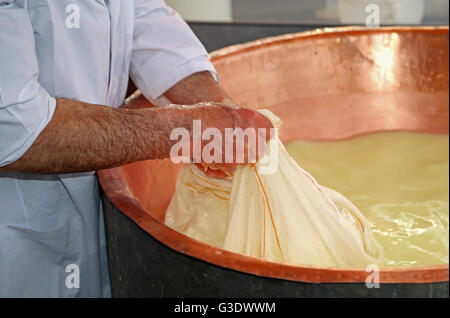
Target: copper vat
[[327, 84]]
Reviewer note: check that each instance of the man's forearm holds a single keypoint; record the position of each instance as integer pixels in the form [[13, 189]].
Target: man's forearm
[[197, 88], [83, 137]]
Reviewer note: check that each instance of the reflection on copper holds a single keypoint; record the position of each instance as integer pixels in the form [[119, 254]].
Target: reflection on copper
[[384, 57], [327, 84]]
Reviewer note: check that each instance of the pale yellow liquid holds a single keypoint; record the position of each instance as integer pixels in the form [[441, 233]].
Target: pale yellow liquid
[[399, 181]]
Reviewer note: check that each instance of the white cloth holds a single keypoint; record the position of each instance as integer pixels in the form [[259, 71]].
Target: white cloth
[[48, 222], [284, 216]]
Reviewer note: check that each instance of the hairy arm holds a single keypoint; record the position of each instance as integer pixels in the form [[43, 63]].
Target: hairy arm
[[83, 137], [197, 88]]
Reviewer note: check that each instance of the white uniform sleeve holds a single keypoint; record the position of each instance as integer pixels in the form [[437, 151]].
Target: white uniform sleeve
[[165, 50], [25, 106]]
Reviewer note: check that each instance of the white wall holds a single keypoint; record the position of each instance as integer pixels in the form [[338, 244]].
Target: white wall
[[203, 10]]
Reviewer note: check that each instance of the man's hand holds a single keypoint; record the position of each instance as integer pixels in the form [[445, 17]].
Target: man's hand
[[244, 149], [201, 87]]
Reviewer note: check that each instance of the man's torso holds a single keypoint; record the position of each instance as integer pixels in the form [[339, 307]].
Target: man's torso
[[49, 223]]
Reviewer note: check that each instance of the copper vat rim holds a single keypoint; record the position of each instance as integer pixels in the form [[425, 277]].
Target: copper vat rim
[[321, 32], [114, 184]]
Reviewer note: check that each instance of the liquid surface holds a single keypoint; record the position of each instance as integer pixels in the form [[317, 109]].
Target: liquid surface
[[399, 181]]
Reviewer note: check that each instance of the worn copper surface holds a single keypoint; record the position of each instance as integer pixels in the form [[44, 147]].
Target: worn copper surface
[[327, 84]]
